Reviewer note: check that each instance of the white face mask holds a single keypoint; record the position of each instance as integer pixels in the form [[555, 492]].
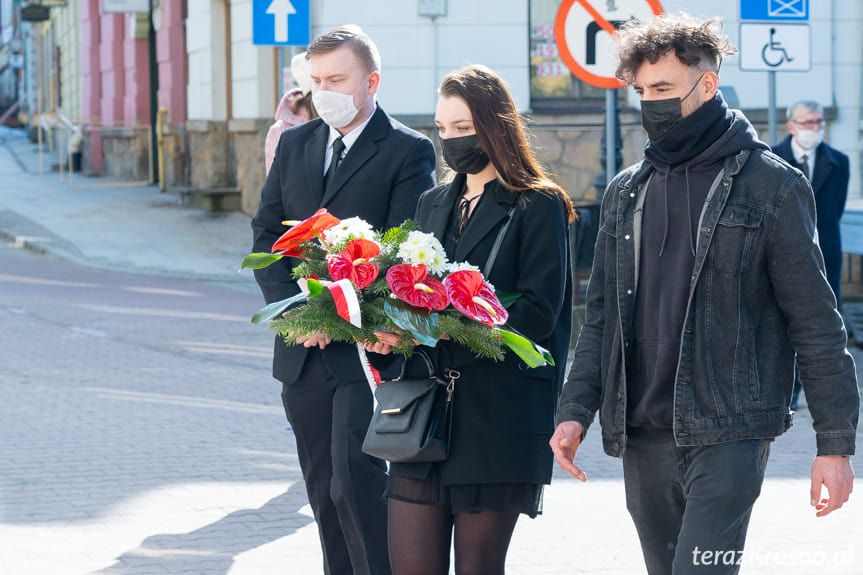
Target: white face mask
[[335, 108], [809, 139]]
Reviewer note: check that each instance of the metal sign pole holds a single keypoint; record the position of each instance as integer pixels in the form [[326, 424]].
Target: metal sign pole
[[771, 107], [610, 142]]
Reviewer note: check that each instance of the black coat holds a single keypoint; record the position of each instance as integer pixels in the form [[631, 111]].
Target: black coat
[[379, 180], [830, 186], [504, 411]]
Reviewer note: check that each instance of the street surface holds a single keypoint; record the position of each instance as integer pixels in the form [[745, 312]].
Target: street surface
[[141, 432]]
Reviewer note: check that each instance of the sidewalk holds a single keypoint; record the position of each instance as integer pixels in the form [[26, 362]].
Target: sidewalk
[[259, 522], [104, 223]]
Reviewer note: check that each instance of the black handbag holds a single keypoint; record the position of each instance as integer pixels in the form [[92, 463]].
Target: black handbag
[[413, 417]]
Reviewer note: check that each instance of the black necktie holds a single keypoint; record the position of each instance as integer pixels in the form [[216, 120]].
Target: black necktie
[[338, 148], [804, 166]]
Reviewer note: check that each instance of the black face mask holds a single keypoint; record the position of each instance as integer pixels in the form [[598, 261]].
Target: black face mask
[[464, 155], [659, 116]]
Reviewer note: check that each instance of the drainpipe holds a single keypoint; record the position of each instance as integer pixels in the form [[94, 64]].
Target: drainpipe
[[228, 73], [229, 99], [160, 146], [156, 166]]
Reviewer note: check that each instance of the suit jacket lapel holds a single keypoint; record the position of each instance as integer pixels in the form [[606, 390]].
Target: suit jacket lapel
[[436, 220], [824, 164], [487, 215], [315, 148], [363, 149]]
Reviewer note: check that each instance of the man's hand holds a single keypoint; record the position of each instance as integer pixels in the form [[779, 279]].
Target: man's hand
[[564, 443], [320, 340], [836, 474]]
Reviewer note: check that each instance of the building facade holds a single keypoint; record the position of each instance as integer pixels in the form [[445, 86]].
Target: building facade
[[214, 93]]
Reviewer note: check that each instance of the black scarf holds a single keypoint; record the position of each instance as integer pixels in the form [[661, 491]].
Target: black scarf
[[692, 134]]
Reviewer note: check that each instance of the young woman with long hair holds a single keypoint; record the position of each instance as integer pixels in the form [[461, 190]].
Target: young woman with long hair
[[503, 412]]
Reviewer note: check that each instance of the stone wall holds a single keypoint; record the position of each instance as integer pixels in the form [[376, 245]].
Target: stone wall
[[572, 151], [247, 143], [126, 153], [210, 158], [175, 155]]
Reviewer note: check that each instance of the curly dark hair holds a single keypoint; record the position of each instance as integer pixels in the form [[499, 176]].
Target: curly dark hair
[[696, 43]]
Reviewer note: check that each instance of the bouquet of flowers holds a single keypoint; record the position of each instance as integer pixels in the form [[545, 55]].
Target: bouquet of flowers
[[354, 281]]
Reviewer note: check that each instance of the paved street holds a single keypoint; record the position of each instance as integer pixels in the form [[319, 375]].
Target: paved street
[[141, 432]]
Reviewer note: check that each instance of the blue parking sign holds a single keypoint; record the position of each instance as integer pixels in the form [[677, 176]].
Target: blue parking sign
[[280, 22], [775, 10]]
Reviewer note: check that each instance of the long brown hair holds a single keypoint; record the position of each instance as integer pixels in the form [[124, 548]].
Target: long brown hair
[[500, 130]]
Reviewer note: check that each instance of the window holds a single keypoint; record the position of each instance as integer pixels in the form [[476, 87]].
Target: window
[[553, 88]]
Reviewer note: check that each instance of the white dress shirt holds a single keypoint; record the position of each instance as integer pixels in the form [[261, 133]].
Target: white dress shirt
[[348, 140], [799, 152]]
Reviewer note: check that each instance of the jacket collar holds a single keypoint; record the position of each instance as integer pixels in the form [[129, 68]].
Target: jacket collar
[[487, 215], [363, 149], [314, 153], [825, 162]]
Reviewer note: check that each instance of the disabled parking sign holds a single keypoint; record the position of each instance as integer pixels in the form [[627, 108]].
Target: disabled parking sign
[[778, 47]]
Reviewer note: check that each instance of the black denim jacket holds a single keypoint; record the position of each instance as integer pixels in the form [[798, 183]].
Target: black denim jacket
[[758, 295]]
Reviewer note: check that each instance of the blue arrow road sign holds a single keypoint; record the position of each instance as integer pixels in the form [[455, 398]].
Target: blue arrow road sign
[[775, 10], [280, 22]]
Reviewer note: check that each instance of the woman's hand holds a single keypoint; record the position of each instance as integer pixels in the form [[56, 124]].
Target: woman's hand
[[384, 346]]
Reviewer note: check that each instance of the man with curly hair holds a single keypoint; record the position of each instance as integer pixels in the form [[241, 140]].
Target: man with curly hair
[[707, 281]]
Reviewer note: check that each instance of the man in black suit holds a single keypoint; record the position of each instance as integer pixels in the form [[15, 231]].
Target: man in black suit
[[354, 161], [827, 170]]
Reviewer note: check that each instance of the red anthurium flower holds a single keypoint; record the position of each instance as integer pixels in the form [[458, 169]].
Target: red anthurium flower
[[354, 263], [413, 285], [303, 232], [475, 298]]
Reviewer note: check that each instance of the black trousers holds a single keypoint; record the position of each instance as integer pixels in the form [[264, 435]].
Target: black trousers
[[691, 505], [345, 487]]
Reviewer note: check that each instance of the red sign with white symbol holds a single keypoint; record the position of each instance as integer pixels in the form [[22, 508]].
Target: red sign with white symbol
[[584, 32]]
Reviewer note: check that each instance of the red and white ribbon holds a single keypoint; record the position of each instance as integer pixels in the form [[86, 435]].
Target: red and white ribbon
[[373, 376], [348, 308], [347, 304]]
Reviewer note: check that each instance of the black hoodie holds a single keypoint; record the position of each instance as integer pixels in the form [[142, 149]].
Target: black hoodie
[[686, 162]]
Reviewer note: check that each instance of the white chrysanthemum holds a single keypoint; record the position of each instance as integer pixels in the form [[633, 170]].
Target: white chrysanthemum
[[438, 266], [349, 229], [460, 267], [414, 241], [422, 248]]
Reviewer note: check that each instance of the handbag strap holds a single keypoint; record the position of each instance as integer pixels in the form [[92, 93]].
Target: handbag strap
[[492, 256], [420, 353]]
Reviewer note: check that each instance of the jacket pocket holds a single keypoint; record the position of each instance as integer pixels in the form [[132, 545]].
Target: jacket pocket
[[608, 224], [735, 237]]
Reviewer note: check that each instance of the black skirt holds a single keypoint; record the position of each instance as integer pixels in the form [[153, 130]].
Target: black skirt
[[523, 498]]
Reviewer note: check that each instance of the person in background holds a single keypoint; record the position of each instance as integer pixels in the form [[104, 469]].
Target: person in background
[[294, 108], [503, 412], [827, 170], [355, 161], [707, 281]]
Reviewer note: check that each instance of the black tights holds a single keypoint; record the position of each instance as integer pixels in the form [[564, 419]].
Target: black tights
[[419, 539]]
